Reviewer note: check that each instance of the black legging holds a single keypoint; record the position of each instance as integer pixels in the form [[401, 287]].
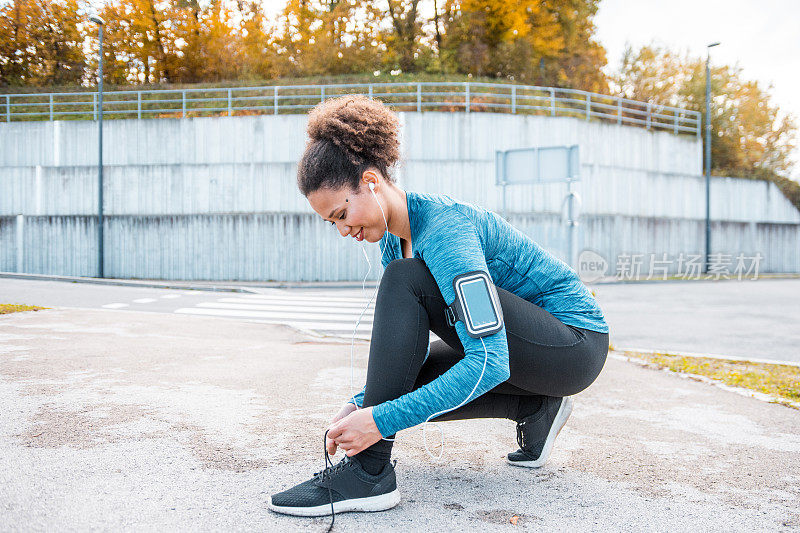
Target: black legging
[[546, 356]]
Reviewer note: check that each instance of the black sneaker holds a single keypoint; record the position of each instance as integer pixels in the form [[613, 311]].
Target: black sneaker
[[340, 488], [537, 432]]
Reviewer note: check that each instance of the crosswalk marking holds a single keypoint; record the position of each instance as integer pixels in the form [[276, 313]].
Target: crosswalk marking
[[307, 298], [288, 313], [310, 304], [115, 306], [320, 313]]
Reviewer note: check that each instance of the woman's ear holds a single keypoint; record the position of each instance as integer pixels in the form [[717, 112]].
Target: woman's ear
[[370, 177]]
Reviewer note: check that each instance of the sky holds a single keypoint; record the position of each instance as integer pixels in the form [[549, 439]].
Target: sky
[[762, 36]]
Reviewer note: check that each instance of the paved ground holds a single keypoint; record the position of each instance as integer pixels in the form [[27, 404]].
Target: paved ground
[[747, 318], [122, 419]]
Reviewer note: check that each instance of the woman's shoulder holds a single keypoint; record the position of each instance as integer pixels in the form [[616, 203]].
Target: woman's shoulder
[[443, 209]]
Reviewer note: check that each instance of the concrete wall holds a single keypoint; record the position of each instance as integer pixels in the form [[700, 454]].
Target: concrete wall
[[215, 198]]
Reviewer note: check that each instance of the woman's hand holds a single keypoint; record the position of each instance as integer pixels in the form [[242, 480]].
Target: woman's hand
[[356, 432], [343, 412]]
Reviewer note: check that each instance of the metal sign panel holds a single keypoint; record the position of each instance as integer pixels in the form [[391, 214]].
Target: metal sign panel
[[538, 165]]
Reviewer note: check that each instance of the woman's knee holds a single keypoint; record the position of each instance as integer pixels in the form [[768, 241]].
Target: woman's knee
[[405, 272], [593, 362]]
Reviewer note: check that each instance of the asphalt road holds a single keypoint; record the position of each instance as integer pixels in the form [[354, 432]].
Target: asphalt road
[[747, 318]]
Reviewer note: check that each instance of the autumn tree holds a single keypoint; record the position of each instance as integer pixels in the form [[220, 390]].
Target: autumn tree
[[40, 42], [475, 29], [207, 45], [256, 54], [749, 136], [140, 42], [403, 41], [536, 42], [333, 37]]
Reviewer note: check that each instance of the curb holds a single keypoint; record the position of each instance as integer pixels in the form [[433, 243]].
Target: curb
[[124, 283], [706, 355], [742, 391]]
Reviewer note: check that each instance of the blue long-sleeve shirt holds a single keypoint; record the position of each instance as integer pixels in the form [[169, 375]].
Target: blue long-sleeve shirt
[[453, 237]]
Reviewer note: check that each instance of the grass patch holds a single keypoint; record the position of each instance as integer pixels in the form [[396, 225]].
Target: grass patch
[[779, 381], [18, 308]]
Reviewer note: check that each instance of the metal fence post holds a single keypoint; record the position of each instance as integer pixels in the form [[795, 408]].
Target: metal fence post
[[275, 100], [676, 122], [513, 98], [230, 103], [94, 105], [619, 110], [419, 98], [552, 102], [51, 106], [138, 104], [370, 90], [466, 101], [648, 115], [8, 109], [588, 106], [183, 103], [322, 93], [20, 243]]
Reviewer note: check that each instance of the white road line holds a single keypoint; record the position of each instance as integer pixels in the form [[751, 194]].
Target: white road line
[[171, 296], [361, 334], [319, 302], [212, 309], [144, 301], [115, 306], [362, 301], [316, 325], [273, 306]]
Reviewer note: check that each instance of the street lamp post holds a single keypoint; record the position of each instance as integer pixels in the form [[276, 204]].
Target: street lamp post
[[708, 158], [100, 23]]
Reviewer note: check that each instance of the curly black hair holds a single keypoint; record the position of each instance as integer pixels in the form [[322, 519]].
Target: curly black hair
[[348, 135]]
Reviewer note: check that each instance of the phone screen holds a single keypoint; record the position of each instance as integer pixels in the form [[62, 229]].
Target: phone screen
[[478, 303]]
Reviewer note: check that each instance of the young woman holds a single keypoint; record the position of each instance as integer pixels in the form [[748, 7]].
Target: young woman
[[553, 343]]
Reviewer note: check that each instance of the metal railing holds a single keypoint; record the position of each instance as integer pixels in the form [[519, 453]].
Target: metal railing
[[405, 96]]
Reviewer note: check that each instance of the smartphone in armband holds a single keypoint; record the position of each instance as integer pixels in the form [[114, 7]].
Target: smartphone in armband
[[476, 304]]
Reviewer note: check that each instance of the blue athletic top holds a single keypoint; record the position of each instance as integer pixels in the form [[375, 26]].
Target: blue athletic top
[[454, 237]]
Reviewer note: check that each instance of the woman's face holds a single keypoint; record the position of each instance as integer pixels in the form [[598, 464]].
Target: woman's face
[[351, 211]]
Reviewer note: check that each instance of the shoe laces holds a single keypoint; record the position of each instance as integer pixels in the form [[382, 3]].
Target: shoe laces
[[325, 474], [520, 436]]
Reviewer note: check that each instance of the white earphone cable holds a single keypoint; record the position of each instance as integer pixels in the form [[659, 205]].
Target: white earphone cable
[[352, 347]]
